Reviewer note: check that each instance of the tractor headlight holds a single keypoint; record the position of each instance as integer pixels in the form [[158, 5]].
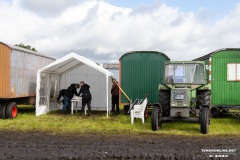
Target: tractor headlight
[[185, 104], [174, 103]]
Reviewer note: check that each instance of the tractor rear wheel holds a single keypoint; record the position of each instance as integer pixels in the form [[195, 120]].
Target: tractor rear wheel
[[204, 98], [164, 102], [156, 118], [204, 120], [12, 110], [3, 110]]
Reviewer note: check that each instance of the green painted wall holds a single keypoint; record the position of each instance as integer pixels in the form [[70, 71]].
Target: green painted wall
[[140, 74], [224, 92]]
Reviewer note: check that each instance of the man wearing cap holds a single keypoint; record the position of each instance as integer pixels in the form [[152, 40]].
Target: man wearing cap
[[86, 97], [115, 96]]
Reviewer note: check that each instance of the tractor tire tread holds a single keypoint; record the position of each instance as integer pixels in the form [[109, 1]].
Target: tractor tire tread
[[204, 120], [164, 102], [155, 118]]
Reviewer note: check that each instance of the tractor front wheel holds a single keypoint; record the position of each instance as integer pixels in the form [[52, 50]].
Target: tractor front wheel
[[204, 120], [156, 118]]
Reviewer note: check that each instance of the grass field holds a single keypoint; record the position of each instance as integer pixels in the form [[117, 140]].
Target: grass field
[[98, 123]]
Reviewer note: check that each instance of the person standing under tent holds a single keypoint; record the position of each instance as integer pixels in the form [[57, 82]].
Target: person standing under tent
[[71, 90], [86, 97], [115, 96]]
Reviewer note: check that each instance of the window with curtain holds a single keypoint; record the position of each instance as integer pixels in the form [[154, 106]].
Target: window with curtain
[[233, 72]]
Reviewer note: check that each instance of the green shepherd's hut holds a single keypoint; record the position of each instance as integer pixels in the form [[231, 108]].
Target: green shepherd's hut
[[140, 73], [224, 76]]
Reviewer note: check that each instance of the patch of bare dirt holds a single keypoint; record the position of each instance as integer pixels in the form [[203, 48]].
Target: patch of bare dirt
[[36, 145]]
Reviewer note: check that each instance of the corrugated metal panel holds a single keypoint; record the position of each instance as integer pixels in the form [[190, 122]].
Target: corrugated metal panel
[[24, 68], [141, 73], [4, 70], [18, 71], [28, 51], [224, 92]]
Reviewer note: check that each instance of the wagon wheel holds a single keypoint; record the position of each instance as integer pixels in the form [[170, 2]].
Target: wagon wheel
[[3, 111], [11, 110]]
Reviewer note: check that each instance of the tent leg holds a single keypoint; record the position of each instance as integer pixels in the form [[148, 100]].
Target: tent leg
[[107, 92]]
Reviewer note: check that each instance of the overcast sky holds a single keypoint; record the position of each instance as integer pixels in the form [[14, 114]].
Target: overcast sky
[[103, 30]]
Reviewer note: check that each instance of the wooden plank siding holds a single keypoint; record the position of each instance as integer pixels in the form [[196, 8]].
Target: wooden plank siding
[[4, 71]]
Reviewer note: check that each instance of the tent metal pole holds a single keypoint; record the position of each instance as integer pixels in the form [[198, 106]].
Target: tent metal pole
[[48, 91], [107, 93], [38, 92]]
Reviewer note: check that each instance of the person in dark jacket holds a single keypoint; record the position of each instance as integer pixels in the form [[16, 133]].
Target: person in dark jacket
[[61, 94], [86, 97], [115, 96], [68, 95]]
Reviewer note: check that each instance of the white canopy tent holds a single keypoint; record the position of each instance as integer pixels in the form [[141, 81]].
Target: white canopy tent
[[72, 68]]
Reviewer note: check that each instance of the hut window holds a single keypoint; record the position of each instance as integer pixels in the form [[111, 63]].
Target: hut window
[[233, 72]]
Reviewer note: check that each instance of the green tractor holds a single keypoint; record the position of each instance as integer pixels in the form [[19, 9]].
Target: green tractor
[[184, 95]]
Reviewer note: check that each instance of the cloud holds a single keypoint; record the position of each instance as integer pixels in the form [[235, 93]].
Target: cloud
[[103, 32], [47, 8]]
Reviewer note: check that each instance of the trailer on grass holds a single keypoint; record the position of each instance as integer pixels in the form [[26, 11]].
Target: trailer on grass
[[18, 72], [140, 73], [224, 76]]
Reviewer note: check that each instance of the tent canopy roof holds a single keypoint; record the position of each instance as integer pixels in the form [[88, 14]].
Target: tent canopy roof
[[70, 62]]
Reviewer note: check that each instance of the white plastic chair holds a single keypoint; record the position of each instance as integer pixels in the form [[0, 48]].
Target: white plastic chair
[[138, 111]]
